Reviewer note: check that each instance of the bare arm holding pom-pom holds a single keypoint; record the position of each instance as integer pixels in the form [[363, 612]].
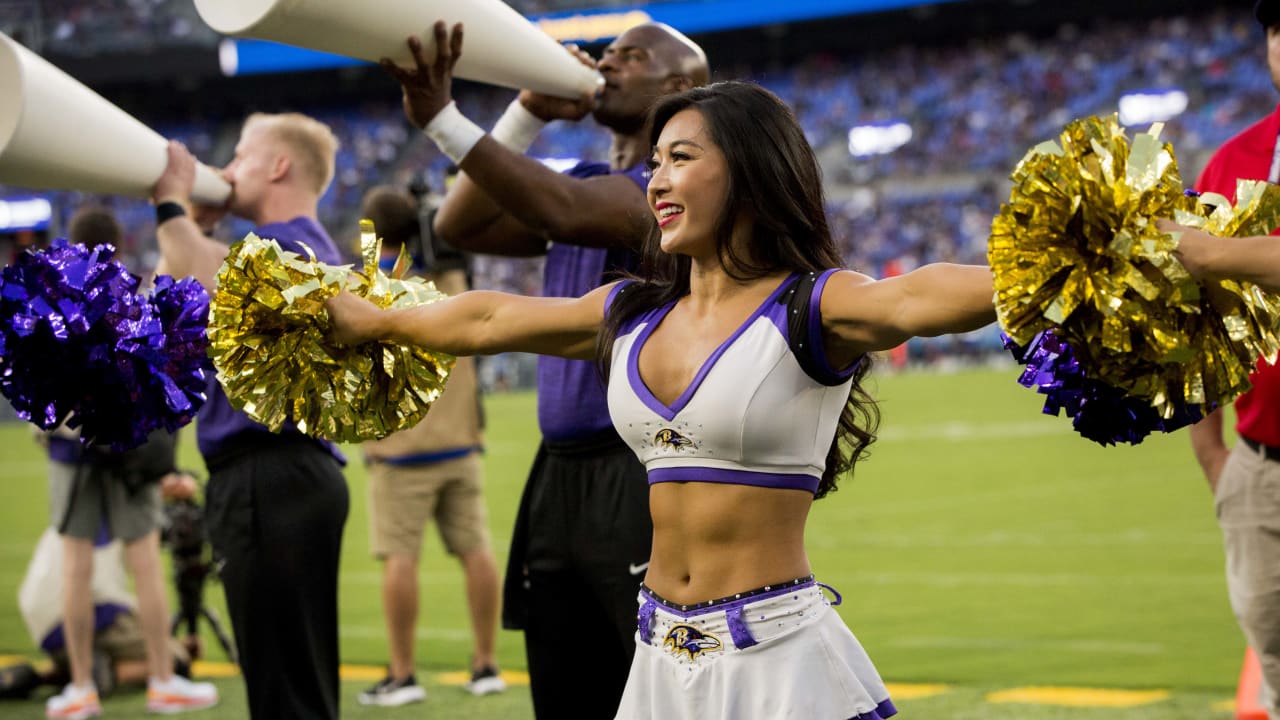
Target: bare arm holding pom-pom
[[477, 323], [1209, 257]]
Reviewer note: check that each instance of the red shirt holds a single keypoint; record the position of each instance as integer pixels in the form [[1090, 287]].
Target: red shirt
[[1248, 156]]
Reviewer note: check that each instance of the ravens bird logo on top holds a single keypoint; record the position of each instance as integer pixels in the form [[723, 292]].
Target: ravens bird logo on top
[[672, 440], [690, 641]]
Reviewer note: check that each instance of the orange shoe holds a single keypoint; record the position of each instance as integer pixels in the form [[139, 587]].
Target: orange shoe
[[178, 694], [74, 703]]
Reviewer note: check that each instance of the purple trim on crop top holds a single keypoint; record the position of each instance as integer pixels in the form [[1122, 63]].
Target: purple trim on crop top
[[816, 347], [638, 385], [779, 481]]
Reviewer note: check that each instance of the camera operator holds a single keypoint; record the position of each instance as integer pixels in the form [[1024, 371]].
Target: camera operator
[[432, 470]]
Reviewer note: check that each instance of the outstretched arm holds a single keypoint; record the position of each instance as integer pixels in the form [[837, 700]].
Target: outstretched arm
[[184, 249], [478, 322], [1209, 257], [862, 315], [504, 202]]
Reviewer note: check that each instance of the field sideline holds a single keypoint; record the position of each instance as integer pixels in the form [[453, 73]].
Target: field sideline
[[983, 547]]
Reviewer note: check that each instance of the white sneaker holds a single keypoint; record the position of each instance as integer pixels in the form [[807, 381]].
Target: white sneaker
[[393, 693], [74, 703], [486, 681], [178, 694]]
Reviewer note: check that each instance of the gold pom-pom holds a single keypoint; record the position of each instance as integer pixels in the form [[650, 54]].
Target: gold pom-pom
[[1076, 250], [268, 340]]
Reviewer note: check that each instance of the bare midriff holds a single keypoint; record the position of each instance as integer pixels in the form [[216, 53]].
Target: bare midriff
[[712, 540]]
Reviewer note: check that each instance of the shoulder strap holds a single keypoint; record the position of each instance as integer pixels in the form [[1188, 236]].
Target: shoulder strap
[[807, 352], [797, 301], [613, 293]]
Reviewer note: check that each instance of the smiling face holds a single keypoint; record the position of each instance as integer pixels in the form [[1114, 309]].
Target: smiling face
[[689, 186]]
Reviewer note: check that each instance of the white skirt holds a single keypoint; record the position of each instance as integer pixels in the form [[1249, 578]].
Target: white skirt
[[776, 652]]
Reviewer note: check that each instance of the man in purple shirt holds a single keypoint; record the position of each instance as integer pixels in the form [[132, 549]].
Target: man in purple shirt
[[276, 502], [582, 538]]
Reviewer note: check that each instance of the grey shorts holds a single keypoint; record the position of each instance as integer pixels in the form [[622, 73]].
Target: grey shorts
[[83, 498]]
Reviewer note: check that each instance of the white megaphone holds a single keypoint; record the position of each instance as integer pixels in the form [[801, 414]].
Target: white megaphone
[[501, 47], [57, 134]]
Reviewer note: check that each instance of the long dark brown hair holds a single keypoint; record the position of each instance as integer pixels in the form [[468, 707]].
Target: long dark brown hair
[[775, 181]]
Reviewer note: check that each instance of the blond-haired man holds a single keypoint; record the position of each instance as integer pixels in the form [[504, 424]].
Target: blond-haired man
[[276, 502]]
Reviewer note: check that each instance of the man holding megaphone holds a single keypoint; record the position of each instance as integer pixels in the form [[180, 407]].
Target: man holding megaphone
[[276, 503], [583, 534]]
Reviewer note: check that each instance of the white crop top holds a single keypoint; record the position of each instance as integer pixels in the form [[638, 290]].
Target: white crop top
[[752, 416]]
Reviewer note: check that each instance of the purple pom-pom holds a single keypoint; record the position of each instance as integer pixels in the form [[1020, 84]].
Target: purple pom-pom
[[1099, 412], [79, 344], [182, 307]]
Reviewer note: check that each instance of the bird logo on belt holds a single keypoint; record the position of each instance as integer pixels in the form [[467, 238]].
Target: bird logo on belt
[[689, 640]]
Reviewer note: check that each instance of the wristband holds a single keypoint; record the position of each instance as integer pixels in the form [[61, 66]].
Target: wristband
[[168, 210], [517, 127], [453, 133]]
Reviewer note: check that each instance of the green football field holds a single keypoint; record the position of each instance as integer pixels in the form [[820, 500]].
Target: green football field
[[985, 553]]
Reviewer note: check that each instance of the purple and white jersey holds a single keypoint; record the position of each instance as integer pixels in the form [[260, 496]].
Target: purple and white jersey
[[217, 422], [751, 416], [571, 403]]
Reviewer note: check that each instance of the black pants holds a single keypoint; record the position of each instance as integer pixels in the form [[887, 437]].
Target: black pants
[[578, 553], [275, 515]]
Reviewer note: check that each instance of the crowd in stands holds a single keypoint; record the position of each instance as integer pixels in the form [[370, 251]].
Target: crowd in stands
[[978, 106], [974, 108], [87, 27]]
